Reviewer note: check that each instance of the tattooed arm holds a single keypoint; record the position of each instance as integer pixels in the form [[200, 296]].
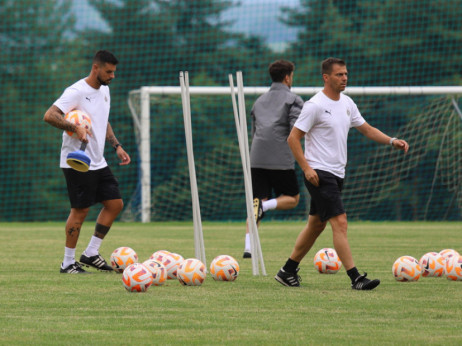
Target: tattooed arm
[[121, 154], [54, 117]]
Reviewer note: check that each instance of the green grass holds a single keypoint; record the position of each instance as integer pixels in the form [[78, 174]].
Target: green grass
[[40, 306]]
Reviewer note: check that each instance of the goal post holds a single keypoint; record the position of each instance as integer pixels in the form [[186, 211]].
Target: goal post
[[141, 100]]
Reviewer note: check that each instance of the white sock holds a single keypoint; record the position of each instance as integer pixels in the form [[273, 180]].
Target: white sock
[[69, 257], [93, 246], [247, 242], [269, 205]]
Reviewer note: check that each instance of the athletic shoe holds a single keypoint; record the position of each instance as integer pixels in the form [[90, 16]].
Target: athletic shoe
[[288, 279], [258, 209], [74, 268], [247, 255], [95, 261], [363, 284]]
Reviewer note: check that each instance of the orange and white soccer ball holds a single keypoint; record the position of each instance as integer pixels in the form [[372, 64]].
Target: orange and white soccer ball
[[122, 257], [224, 268], [406, 268], [326, 261], [454, 268], [78, 118], [432, 264], [448, 253], [191, 272], [158, 271], [171, 261], [137, 278], [159, 255]]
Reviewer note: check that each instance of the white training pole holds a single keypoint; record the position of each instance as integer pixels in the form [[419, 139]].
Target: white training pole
[[198, 235], [256, 247]]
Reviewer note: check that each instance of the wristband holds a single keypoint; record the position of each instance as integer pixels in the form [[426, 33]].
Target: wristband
[[116, 146], [391, 140]]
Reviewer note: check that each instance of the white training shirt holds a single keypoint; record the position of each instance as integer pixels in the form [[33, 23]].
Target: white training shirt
[[96, 103], [326, 123]]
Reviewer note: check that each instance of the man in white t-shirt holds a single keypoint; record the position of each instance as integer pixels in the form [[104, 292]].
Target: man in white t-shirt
[[325, 121], [98, 185]]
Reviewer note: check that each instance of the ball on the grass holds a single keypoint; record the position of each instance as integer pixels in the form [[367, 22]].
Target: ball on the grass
[[432, 264], [326, 261], [122, 257], [78, 118], [136, 278], [454, 268], [224, 268], [159, 255], [191, 272], [406, 268], [448, 253], [158, 271], [171, 262]]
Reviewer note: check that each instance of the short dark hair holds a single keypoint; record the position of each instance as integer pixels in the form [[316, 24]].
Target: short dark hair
[[104, 56], [279, 69], [326, 65]]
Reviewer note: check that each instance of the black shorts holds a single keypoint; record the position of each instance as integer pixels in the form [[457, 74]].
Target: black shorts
[[89, 188], [282, 182], [326, 199]]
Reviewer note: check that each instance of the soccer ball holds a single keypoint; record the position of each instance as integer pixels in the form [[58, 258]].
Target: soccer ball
[[159, 255], [448, 253], [191, 272], [224, 268], [122, 257], [326, 261], [137, 278], [432, 264], [171, 262], [406, 268], [78, 118], [158, 271], [454, 268]]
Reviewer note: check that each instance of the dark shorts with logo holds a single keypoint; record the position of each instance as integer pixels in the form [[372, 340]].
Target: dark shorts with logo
[[326, 199], [88, 188], [282, 182]]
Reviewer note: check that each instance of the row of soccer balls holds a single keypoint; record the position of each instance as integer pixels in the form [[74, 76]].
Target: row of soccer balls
[[164, 265], [447, 262]]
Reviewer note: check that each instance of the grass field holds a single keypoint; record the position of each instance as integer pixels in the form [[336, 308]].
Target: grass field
[[40, 306]]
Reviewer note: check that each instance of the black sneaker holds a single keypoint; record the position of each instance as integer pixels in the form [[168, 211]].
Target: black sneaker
[[247, 255], [258, 209], [74, 268], [95, 261], [363, 284], [288, 279]]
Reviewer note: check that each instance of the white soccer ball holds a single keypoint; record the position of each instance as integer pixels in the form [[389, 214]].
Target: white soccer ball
[[158, 271], [136, 278], [406, 268], [454, 268], [171, 261], [448, 253], [224, 268], [326, 261], [191, 272], [78, 118], [432, 264], [159, 255], [122, 257]]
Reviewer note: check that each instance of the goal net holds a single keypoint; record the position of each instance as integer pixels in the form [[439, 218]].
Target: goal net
[[380, 184]]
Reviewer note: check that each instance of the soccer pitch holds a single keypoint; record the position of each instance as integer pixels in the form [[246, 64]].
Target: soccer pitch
[[40, 306]]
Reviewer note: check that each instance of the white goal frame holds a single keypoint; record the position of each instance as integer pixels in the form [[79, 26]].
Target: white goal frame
[[143, 122]]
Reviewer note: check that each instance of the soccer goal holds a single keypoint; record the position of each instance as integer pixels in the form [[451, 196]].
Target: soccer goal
[[381, 184]]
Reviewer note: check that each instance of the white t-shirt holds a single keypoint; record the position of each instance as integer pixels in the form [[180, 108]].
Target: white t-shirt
[[96, 103], [326, 123]]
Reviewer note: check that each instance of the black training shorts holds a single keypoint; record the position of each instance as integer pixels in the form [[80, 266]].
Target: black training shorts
[[88, 188], [326, 199], [282, 182]]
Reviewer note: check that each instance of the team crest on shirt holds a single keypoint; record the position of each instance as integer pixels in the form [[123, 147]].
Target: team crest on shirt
[[105, 98], [348, 112]]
